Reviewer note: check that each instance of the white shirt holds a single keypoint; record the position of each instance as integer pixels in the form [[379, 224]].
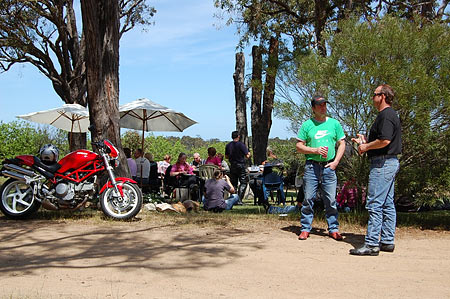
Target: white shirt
[[162, 166], [144, 165]]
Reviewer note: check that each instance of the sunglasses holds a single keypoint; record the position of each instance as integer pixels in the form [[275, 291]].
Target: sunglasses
[[377, 94]]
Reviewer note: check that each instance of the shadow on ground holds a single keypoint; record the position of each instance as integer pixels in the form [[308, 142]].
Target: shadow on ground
[[31, 245], [351, 238]]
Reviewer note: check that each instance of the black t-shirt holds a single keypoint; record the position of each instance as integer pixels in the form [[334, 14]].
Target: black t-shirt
[[386, 127], [236, 152]]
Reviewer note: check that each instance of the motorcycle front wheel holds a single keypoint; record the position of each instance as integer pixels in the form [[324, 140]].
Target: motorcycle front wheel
[[17, 201], [113, 205]]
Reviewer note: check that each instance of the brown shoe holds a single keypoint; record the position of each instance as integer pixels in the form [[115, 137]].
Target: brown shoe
[[336, 235], [303, 235]]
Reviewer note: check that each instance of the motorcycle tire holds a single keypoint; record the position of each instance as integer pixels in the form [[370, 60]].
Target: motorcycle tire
[[17, 201], [128, 207]]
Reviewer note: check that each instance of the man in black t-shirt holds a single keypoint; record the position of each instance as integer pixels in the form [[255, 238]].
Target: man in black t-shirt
[[383, 146], [236, 152]]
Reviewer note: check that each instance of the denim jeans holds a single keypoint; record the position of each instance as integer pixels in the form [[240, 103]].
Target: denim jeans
[[380, 201], [230, 201], [283, 210], [315, 174], [279, 190]]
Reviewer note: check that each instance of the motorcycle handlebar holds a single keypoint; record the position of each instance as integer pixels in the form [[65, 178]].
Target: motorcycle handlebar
[[101, 146]]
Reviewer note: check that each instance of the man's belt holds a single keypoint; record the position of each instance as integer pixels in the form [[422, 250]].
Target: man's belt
[[381, 157], [322, 164]]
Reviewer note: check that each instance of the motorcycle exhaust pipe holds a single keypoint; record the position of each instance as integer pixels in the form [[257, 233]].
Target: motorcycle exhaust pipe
[[48, 205], [19, 169], [13, 175]]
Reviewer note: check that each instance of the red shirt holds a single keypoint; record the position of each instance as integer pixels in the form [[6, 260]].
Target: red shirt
[[182, 167], [214, 160]]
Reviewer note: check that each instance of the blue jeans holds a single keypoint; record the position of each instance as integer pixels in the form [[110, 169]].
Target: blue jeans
[[230, 201], [380, 201], [315, 173], [283, 210], [280, 190]]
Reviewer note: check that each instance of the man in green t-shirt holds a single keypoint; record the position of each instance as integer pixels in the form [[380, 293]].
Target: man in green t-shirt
[[317, 139]]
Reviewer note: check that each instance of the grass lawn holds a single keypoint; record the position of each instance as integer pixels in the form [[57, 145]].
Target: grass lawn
[[437, 220]]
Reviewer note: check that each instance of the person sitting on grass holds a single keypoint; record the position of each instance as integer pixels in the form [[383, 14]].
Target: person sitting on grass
[[213, 199], [285, 209]]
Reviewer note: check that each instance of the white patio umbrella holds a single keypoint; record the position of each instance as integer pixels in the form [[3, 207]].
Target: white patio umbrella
[[148, 116], [69, 117]]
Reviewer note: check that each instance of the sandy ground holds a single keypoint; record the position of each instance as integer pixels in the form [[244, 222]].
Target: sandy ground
[[58, 259]]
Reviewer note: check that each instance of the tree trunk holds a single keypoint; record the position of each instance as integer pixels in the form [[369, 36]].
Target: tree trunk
[[320, 20], [101, 31], [256, 102], [262, 114], [77, 141], [241, 101]]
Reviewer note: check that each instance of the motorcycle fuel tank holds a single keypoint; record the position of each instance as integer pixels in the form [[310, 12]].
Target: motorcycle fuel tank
[[76, 160]]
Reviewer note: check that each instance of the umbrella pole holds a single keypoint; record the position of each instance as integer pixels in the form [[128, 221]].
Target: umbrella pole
[[142, 142], [143, 128]]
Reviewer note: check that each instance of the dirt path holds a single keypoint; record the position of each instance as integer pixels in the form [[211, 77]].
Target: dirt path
[[45, 259]]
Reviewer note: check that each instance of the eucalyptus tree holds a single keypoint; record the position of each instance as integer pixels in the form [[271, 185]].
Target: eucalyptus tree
[[46, 34], [282, 29], [413, 58]]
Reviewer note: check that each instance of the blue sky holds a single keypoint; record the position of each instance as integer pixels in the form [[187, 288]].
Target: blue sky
[[185, 61]]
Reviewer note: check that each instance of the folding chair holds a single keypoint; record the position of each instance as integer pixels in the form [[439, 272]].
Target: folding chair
[[206, 171], [273, 182]]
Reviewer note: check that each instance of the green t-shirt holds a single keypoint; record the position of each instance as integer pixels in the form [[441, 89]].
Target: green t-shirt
[[316, 134]]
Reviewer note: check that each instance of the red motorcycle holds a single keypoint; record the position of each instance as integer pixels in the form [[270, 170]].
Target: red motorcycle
[[67, 184]]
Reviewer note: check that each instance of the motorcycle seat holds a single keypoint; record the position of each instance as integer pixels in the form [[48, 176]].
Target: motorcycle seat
[[52, 168]]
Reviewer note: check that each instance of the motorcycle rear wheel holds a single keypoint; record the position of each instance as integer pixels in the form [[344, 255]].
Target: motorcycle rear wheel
[[17, 201], [116, 207]]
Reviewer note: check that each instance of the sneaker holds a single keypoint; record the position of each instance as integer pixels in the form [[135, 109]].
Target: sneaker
[[387, 247], [366, 250]]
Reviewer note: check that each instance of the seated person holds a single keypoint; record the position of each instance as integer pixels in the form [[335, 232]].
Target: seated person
[[142, 167], [273, 164], [212, 158], [197, 161], [346, 199], [185, 175], [224, 163], [153, 177], [284, 210], [162, 165], [214, 193], [131, 163]]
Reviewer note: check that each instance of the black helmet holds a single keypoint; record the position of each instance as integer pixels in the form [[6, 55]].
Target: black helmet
[[49, 153]]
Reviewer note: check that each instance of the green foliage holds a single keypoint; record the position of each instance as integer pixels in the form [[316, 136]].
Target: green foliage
[[415, 60], [21, 138], [160, 146], [285, 151], [132, 140]]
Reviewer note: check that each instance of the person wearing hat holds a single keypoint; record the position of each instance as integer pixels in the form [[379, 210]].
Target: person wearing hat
[[317, 139], [383, 146]]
